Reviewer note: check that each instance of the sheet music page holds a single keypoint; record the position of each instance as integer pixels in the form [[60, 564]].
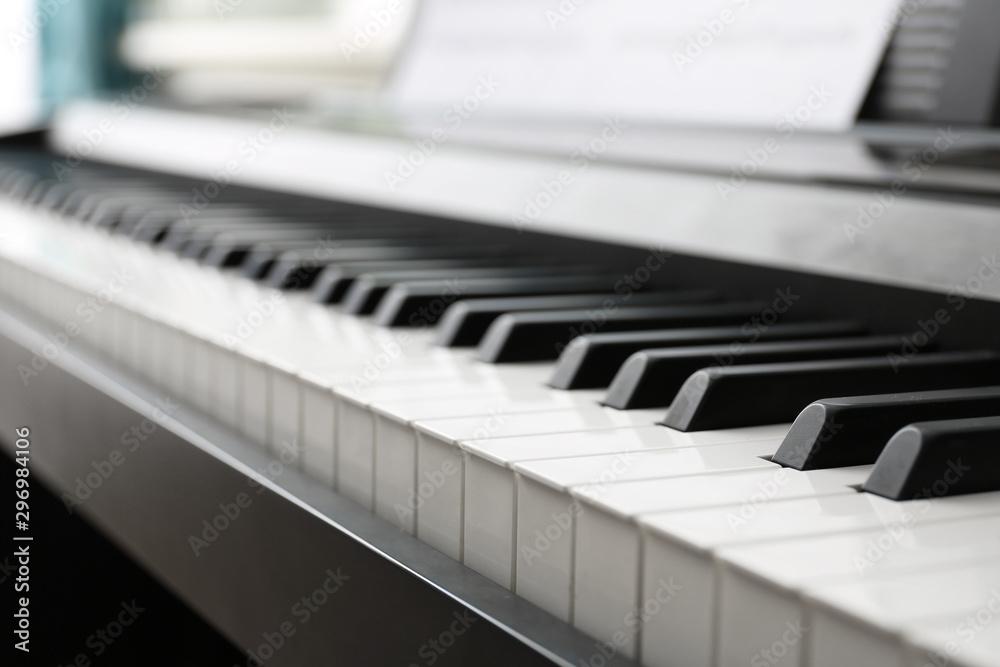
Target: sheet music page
[[716, 62]]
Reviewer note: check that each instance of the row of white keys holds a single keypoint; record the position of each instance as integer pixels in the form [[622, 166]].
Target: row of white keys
[[441, 487], [602, 567], [322, 389], [555, 558], [363, 468], [683, 545], [491, 485], [396, 436]]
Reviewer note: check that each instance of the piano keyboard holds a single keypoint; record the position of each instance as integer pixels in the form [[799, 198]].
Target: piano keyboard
[[508, 406]]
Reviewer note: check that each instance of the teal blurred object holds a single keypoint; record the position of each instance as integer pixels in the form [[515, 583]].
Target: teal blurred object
[[80, 49]]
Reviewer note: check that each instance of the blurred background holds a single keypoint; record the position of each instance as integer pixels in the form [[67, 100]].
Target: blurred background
[[564, 58], [203, 51]]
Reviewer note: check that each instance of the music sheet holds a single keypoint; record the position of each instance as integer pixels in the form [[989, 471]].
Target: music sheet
[[715, 62]]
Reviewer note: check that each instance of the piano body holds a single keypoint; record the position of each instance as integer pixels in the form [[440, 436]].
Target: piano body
[[350, 421]]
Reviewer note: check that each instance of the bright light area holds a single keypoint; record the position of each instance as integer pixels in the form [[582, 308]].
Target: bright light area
[[20, 55]]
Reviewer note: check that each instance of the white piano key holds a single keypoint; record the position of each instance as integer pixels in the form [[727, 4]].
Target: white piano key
[[255, 396], [760, 571], [395, 465], [318, 456], [285, 390], [203, 375], [127, 339], [436, 499], [544, 542], [147, 352], [188, 342], [439, 515], [227, 386], [105, 327], [134, 343], [166, 363], [610, 511], [488, 520], [355, 454], [489, 543], [143, 349], [106, 323]]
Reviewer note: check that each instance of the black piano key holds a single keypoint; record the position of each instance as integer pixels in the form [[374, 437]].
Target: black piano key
[[6, 171], [335, 279], [170, 230], [661, 373], [838, 432], [421, 303], [308, 243], [223, 254], [263, 257], [40, 190], [55, 196], [133, 215], [543, 336], [734, 396], [147, 225], [301, 270], [260, 262], [365, 296], [109, 212], [73, 200], [9, 179], [216, 221], [100, 208], [592, 361], [939, 458], [465, 322], [236, 217], [18, 187], [291, 236]]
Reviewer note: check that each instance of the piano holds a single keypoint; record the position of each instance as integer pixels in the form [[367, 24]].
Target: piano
[[644, 412]]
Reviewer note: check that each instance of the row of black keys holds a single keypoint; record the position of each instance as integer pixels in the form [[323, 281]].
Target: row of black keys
[[651, 349]]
